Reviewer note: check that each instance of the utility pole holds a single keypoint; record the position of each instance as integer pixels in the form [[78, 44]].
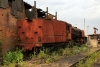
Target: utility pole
[[87, 30], [84, 24], [35, 9], [56, 15], [84, 30], [47, 11]]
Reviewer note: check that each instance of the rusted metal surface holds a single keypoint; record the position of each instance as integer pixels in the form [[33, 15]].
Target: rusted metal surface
[[30, 32], [39, 31], [55, 31], [59, 31], [48, 32], [76, 33], [4, 3], [68, 31], [69, 37], [83, 33]]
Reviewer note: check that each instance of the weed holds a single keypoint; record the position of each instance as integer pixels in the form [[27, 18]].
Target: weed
[[46, 57], [83, 48], [68, 51], [42, 54], [60, 51], [22, 64], [76, 49], [32, 56], [49, 60], [52, 58]]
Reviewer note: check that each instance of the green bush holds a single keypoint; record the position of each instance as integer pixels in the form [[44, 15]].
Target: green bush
[[13, 57]]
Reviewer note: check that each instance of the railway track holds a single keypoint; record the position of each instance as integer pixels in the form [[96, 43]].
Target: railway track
[[83, 59], [97, 64]]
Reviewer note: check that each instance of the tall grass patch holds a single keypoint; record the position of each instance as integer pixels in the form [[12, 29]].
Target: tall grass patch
[[48, 56]]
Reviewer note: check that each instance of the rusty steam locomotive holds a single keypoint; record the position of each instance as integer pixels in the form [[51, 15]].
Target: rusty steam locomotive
[[42, 28]]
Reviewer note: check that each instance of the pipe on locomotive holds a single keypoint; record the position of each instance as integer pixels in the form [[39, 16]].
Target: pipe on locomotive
[[45, 12], [35, 9]]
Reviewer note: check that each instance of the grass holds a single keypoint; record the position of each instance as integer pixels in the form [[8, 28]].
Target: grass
[[54, 56], [42, 55], [20, 64], [76, 49], [46, 56]]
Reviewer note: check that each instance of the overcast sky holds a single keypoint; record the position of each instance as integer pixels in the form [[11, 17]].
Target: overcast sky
[[74, 12]]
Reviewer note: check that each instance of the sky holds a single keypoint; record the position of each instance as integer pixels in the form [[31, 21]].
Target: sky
[[74, 12]]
